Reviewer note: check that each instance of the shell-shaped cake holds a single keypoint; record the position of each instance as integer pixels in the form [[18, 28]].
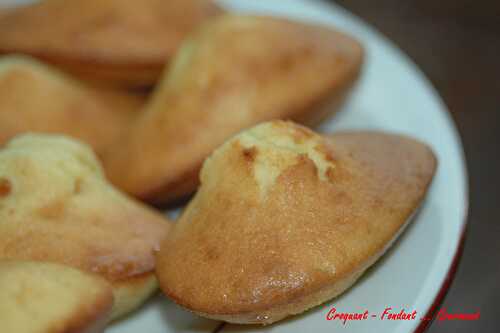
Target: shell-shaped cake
[[286, 219], [232, 73], [56, 206], [122, 42]]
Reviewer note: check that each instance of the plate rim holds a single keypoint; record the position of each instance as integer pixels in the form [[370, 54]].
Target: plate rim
[[449, 277]]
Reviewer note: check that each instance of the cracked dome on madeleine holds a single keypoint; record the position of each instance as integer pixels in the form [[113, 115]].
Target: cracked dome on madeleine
[[286, 219]]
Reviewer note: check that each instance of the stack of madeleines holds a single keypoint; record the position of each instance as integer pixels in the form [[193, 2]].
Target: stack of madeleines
[[108, 106]]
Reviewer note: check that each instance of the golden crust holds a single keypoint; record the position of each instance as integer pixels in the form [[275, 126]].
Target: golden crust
[[245, 255], [127, 42], [40, 297], [233, 72], [57, 206], [36, 97]]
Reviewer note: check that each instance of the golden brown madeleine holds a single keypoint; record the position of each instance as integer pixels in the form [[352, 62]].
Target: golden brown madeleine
[[56, 205], [234, 72], [39, 98], [40, 297], [127, 42], [286, 219]]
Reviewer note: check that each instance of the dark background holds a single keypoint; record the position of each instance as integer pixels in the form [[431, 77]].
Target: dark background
[[457, 45]]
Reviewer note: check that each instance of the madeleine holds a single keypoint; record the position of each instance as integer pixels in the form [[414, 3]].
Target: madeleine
[[232, 73], [56, 206], [121, 42], [286, 219]]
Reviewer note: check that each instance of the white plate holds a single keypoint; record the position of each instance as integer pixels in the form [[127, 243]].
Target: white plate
[[392, 95]]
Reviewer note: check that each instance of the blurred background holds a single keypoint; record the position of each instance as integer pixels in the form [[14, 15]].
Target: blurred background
[[456, 43]]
